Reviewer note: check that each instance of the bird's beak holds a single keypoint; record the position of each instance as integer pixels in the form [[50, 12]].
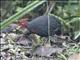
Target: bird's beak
[[18, 27]]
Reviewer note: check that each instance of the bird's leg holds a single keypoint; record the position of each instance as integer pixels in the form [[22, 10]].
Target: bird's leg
[[46, 42]]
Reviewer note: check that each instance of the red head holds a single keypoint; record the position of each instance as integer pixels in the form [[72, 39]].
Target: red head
[[23, 23]]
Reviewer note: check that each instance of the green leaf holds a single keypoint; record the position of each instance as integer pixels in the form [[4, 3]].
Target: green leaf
[[77, 34]]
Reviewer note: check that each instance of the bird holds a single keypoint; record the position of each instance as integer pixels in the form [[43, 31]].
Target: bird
[[40, 26]]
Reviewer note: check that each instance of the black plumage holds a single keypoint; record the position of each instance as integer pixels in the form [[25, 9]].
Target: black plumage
[[40, 26]]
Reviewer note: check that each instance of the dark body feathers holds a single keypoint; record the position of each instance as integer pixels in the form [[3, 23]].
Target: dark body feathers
[[39, 26]]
